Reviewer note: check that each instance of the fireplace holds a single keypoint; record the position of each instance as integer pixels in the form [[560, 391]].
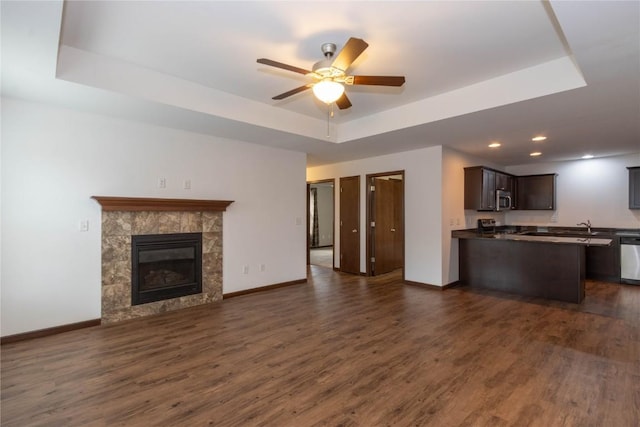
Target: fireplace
[[165, 266], [124, 218]]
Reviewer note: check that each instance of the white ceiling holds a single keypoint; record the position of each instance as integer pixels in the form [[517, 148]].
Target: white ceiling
[[475, 72]]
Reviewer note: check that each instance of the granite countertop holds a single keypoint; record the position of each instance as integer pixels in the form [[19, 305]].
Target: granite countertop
[[515, 236], [587, 241]]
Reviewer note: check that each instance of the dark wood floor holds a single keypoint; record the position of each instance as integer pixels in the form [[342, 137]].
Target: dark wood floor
[[342, 350]]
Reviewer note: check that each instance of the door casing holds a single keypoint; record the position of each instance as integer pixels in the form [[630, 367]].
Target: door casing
[[333, 218], [369, 215]]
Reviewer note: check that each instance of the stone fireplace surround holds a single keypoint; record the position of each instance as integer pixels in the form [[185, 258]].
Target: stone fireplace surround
[[123, 217]]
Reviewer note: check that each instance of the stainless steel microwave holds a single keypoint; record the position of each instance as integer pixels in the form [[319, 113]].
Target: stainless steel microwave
[[503, 200]]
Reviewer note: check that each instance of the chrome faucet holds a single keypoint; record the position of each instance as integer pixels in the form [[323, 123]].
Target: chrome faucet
[[586, 224]]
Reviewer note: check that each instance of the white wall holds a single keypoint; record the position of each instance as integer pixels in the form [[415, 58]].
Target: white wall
[[54, 160], [594, 189], [423, 200]]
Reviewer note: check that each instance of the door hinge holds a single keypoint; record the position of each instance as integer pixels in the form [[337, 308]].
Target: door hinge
[[341, 189], [373, 188], [340, 223], [373, 223], [373, 259]]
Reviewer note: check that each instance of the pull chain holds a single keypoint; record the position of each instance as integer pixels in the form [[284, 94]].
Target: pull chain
[[329, 116]]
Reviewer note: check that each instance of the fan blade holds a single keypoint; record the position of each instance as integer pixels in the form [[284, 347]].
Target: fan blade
[[376, 80], [292, 92], [283, 66], [343, 102], [351, 50]]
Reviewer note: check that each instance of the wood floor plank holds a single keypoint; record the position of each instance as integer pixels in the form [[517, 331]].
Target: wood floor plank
[[341, 350]]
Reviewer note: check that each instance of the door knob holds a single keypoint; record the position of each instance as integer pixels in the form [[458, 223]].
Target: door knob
[[354, 230]]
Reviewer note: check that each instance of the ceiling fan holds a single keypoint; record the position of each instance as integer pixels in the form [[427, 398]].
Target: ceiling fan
[[331, 74]]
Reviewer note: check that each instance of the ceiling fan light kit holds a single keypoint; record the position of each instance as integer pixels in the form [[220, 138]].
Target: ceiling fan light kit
[[331, 74], [328, 91]]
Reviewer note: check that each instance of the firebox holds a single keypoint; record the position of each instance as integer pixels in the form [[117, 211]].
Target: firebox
[[165, 266]]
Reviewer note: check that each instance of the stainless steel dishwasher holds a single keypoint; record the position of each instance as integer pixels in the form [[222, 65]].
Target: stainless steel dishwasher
[[630, 260]]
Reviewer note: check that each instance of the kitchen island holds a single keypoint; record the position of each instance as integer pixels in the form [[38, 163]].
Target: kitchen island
[[549, 267]]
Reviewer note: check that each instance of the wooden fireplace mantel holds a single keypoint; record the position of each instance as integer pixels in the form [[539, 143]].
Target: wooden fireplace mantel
[[151, 204]]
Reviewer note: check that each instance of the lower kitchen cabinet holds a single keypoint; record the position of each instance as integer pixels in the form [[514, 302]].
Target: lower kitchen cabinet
[[531, 268], [603, 262]]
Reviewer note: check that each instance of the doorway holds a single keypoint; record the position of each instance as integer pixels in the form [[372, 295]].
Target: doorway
[[320, 223], [385, 222]]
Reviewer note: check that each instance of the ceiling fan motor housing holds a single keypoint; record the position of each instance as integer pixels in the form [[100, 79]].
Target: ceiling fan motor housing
[[323, 68], [328, 49]]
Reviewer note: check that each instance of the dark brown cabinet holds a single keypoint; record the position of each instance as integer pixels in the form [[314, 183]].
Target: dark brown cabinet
[[536, 192], [529, 192], [537, 269], [603, 262], [488, 189], [504, 182], [479, 188], [634, 187]]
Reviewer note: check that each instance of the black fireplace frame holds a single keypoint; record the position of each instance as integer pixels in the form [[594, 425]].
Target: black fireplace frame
[[164, 241]]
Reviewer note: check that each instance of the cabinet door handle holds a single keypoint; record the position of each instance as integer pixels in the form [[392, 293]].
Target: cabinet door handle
[[393, 229], [355, 230]]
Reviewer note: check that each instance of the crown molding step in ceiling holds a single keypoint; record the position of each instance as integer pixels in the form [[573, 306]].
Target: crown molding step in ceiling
[[457, 74]]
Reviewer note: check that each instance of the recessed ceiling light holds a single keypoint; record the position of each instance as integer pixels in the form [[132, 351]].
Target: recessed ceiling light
[[588, 156], [538, 138], [494, 145], [535, 154]]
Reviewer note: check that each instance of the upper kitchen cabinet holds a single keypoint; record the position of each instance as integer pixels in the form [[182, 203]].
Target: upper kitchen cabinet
[[504, 182], [634, 187], [479, 188], [536, 192]]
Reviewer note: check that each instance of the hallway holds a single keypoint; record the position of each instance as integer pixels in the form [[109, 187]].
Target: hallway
[[322, 257]]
